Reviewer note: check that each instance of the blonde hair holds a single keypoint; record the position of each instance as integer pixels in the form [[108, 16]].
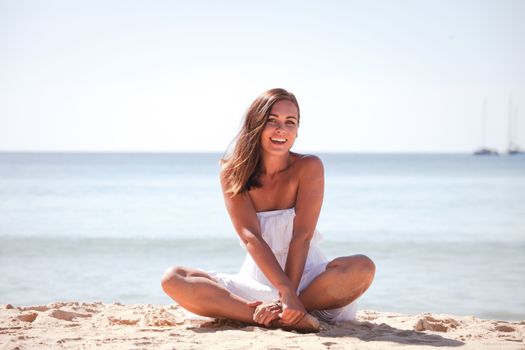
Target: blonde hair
[[242, 166]]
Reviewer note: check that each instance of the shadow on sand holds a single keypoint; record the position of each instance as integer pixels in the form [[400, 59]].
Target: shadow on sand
[[365, 331], [368, 331]]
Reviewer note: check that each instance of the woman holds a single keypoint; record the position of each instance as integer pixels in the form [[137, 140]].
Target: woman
[[274, 197]]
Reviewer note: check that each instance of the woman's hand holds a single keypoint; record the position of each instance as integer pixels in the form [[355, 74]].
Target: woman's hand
[[265, 313], [293, 308]]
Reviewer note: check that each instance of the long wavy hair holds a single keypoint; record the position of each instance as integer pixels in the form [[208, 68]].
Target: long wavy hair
[[242, 166]]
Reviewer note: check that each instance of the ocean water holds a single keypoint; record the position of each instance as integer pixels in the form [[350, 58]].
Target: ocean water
[[447, 232]]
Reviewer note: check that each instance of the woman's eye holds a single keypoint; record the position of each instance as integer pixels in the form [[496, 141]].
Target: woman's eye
[[290, 122]]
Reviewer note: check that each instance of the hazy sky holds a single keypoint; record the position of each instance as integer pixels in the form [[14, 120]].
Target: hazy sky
[[387, 76]]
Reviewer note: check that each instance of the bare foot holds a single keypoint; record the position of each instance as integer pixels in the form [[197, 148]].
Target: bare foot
[[307, 324]]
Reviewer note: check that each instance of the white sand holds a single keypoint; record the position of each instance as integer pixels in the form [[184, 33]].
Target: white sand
[[77, 325]]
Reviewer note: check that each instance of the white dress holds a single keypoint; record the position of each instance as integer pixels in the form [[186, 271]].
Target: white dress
[[250, 283]]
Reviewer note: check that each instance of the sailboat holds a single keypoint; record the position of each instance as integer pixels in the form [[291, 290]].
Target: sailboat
[[484, 151], [513, 148]]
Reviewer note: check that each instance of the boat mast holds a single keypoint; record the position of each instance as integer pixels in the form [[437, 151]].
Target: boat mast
[[516, 128], [484, 151], [511, 126], [484, 121]]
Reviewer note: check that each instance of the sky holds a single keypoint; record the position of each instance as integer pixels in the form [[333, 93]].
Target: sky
[[177, 76]]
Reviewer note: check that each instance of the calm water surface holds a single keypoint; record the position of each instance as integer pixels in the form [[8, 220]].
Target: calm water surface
[[447, 232]]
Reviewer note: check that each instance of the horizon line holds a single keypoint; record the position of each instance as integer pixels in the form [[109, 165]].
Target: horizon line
[[145, 152]]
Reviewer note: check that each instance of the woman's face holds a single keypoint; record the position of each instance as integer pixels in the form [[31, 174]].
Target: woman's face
[[281, 128]]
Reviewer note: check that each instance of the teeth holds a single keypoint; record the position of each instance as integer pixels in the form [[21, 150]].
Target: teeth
[[277, 140]]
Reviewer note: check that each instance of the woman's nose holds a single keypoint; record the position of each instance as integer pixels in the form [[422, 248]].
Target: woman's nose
[[280, 127]]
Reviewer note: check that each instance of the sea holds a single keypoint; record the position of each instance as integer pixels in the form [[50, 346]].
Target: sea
[[446, 231]]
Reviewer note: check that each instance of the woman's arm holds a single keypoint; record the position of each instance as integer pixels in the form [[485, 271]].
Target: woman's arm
[[307, 208], [246, 224]]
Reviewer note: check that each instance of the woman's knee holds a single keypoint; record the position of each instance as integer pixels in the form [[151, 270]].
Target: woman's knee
[[173, 276], [359, 264], [365, 264]]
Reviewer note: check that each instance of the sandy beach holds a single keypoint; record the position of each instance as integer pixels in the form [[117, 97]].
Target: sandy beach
[[75, 325]]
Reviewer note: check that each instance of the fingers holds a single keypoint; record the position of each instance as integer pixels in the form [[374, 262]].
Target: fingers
[[291, 316], [269, 317], [266, 313], [266, 319], [254, 303], [293, 309], [261, 312]]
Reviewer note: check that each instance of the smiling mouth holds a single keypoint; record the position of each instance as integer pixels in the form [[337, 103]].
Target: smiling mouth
[[278, 140]]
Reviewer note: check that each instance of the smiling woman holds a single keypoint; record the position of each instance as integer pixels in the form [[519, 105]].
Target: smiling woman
[[274, 197], [242, 167], [281, 127]]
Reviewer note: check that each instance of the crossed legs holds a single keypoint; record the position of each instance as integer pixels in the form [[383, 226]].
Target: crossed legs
[[344, 280]]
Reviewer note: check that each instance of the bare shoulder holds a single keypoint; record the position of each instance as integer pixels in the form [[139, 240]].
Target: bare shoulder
[[309, 164]]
